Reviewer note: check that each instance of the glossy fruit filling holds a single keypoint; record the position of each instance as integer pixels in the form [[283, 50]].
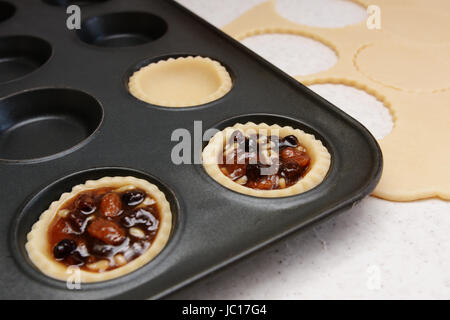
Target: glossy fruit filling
[[103, 229], [264, 162]]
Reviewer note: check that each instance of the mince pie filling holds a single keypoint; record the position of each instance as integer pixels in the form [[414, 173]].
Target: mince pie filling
[[103, 229], [264, 162]]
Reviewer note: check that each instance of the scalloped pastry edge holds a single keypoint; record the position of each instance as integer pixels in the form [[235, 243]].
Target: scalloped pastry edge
[[225, 79], [37, 241], [320, 160]]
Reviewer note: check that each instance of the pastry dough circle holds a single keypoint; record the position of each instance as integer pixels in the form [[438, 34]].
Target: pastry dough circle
[[40, 254], [320, 160], [181, 82]]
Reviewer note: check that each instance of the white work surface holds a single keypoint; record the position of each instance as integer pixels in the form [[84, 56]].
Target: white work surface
[[377, 250]]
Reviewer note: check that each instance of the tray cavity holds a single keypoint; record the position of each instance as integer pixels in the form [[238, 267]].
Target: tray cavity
[[179, 81], [65, 3], [45, 122], [122, 29], [7, 10], [21, 55], [40, 202]]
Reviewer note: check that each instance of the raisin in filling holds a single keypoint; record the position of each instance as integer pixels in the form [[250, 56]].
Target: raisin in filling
[[264, 162], [103, 229]]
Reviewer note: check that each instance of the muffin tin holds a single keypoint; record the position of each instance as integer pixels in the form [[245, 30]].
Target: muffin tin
[[66, 116]]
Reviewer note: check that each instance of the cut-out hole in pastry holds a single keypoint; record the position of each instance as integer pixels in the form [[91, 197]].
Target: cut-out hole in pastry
[[181, 82], [294, 54], [405, 66], [406, 62], [322, 13], [365, 108], [219, 12]]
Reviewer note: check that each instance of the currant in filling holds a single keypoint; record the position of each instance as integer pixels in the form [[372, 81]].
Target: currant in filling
[[103, 229], [264, 162]]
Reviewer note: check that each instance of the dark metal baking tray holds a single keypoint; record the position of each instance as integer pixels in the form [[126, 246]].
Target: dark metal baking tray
[[213, 225]]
